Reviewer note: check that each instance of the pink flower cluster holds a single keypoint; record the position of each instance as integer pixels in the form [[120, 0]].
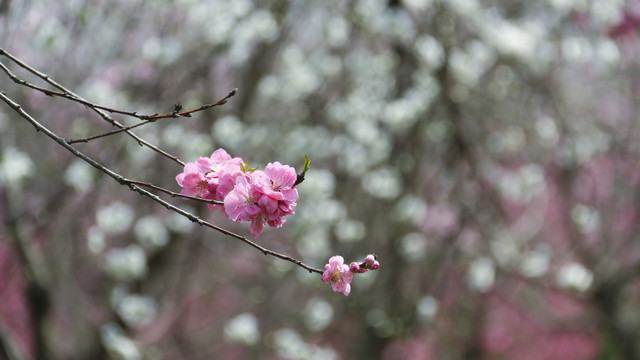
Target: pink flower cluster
[[248, 195], [340, 275]]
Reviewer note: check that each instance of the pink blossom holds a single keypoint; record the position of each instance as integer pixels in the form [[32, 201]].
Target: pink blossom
[[240, 204], [259, 197], [257, 225], [216, 166], [277, 197], [277, 182], [226, 180], [337, 273], [281, 178], [192, 181], [200, 178]]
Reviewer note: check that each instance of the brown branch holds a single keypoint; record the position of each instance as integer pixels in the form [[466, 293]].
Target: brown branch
[[67, 95], [133, 187], [152, 118], [173, 194], [105, 116]]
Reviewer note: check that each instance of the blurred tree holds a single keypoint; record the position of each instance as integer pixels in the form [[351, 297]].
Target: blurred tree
[[486, 150]]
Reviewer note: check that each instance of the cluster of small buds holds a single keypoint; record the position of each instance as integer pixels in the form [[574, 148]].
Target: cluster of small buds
[[340, 275], [370, 263], [248, 195]]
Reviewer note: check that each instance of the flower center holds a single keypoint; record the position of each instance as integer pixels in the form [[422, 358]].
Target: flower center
[[275, 185], [336, 275]]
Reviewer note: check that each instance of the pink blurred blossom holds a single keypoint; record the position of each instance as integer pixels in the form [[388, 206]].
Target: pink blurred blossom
[[441, 220]]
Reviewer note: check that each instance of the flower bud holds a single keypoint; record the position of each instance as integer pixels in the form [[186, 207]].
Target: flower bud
[[356, 267], [369, 260]]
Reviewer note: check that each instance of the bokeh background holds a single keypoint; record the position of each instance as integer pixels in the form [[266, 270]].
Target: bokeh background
[[486, 151]]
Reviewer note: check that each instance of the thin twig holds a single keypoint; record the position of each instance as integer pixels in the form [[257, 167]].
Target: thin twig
[[133, 187], [152, 118], [67, 95], [173, 194], [112, 132], [105, 116]]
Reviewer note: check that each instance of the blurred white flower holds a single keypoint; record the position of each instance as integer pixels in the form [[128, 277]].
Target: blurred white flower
[[383, 183], [577, 49], [164, 51], [126, 264], [337, 31], [264, 25], [178, 223], [318, 314], [318, 184], [587, 218], [574, 276], [14, 166], [228, 131], [430, 51], [511, 38], [242, 329], [547, 131], [417, 4], [510, 140], [412, 246], [481, 275], [522, 184], [410, 208], [426, 308], [116, 342], [80, 175], [535, 263], [464, 7], [136, 310], [314, 243], [350, 230], [115, 218], [95, 239], [151, 232], [290, 345]]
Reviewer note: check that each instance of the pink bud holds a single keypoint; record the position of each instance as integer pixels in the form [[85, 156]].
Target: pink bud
[[357, 268], [354, 267], [371, 263], [370, 259]]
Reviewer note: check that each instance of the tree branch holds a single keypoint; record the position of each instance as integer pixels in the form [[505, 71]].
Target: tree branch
[[134, 187], [105, 116]]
